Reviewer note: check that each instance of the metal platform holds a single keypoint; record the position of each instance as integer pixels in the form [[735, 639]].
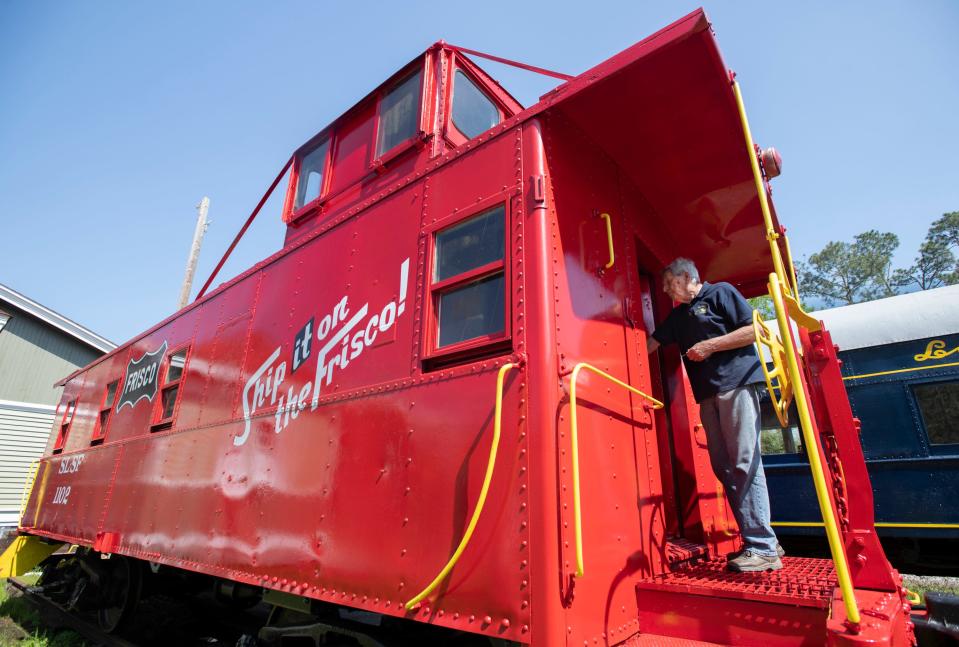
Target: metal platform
[[801, 582]]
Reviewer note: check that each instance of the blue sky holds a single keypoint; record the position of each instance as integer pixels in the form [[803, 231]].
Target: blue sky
[[117, 117]]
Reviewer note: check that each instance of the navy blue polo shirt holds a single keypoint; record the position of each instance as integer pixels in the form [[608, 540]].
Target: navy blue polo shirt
[[717, 310]]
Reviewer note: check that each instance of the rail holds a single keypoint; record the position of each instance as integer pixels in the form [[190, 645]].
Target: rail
[[815, 463], [481, 501], [574, 441], [28, 484], [778, 279]]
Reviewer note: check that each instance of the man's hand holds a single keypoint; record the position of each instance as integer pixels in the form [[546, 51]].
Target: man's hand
[[736, 339], [701, 351]]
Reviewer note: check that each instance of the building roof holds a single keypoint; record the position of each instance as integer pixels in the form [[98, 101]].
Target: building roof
[[55, 319]]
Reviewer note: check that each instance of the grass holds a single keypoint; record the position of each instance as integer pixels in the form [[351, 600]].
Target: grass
[[22, 626], [921, 584]]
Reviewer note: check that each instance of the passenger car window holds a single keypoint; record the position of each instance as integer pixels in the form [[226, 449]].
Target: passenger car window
[[310, 183], [939, 405], [469, 282], [473, 113], [399, 115]]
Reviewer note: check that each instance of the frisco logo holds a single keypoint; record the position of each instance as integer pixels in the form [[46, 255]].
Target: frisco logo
[[344, 335]]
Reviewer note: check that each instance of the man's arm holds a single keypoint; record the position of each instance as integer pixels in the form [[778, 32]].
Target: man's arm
[[736, 339]]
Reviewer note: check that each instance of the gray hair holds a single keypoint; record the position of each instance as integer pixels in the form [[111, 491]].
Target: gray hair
[[682, 266]]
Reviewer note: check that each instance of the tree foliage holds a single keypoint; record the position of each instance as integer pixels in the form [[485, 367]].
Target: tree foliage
[[936, 264], [845, 273]]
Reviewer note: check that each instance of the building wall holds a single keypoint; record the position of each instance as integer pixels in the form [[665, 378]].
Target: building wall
[[24, 430], [34, 356]]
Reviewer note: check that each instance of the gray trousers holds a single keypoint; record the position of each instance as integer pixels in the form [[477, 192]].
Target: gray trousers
[[731, 420]]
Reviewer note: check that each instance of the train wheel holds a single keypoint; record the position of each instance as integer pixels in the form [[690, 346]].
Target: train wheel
[[120, 593]]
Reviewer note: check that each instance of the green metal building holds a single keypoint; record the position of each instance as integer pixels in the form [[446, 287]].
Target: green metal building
[[38, 347]]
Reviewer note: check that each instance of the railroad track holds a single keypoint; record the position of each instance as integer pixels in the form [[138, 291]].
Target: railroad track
[[161, 620], [65, 618]]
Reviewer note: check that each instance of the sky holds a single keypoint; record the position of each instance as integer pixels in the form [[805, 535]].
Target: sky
[[116, 118]]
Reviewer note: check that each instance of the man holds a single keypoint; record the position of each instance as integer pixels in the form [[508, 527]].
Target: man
[[713, 326]]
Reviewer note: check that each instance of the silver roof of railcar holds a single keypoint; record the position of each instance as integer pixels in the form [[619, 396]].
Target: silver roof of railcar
[[917, 315]]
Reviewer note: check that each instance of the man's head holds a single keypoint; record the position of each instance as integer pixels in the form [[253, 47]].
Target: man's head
[[681, 280]]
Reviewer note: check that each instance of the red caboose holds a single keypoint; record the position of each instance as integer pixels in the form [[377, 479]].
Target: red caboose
[[435, 404]]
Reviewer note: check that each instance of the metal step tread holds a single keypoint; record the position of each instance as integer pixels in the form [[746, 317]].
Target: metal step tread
[[801, 581]]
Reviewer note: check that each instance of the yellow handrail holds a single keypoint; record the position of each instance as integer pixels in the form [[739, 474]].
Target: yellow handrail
[[771, 234], [574, 440], [777, 280], [812, 450], [609, 239], [28, 484], [481, 501]]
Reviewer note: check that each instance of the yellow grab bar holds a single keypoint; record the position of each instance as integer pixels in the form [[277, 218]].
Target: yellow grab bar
[[788, 279], [481, 501], [574, 440], [812, 450], [609, 239]]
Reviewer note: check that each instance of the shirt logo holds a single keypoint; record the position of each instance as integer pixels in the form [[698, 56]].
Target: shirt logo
[[699, 310]]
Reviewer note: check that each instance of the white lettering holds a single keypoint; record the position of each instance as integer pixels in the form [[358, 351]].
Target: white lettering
[[62, 494]]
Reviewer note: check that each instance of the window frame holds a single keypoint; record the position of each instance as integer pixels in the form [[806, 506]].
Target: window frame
[[451, 132], [934, 449], [290, 207], [99, 429], [65, 425], [379, 161], [162, 424], [476, 347]]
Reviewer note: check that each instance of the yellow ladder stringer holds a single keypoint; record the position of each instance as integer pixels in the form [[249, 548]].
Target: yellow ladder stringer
[[28, 484], [783, 289]]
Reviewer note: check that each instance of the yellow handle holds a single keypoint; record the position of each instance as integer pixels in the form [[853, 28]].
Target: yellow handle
[[765, 337], [574, 440], [609, 239], [481, 501]]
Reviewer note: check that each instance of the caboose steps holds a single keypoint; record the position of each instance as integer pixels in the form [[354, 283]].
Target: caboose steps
[[706, 601]]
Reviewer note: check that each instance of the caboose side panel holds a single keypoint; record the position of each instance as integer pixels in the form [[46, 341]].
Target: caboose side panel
[[598, 321], [308, 387]]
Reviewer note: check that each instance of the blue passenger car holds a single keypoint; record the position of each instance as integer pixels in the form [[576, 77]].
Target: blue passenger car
[[901, 370]]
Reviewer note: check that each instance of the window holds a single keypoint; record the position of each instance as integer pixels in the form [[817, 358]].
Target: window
[[176, 363], [399, 115], [469, 282], [473, 112], [310, 181], [65, 423], [939, 405], [106, 408]]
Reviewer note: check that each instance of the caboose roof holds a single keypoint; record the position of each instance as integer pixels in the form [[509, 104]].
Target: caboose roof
[[665, 112]]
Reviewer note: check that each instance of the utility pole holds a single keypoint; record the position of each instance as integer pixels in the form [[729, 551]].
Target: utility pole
[[201, 225]]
